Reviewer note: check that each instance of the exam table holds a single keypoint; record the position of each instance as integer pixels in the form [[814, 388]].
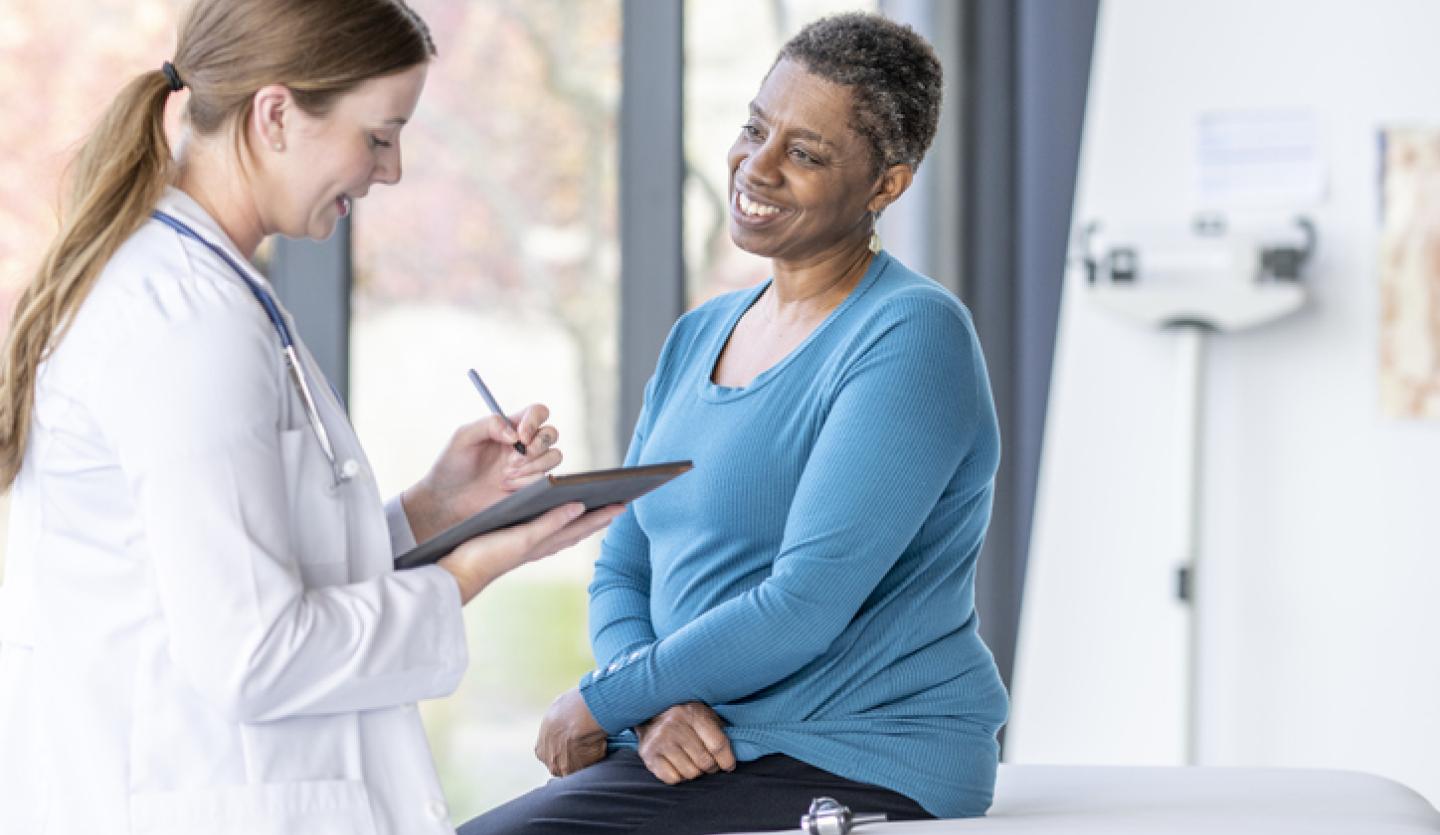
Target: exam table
[[1122, 800]]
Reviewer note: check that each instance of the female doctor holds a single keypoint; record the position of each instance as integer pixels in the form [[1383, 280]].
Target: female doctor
[[202, 631]]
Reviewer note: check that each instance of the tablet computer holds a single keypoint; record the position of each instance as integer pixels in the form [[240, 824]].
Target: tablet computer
[[596, 489]]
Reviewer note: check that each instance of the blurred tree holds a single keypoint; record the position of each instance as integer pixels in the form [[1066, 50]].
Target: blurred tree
[[513, 151], [56, 78]]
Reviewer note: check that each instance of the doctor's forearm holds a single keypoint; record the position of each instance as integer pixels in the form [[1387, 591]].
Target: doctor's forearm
[[424, 512], [469, 575]]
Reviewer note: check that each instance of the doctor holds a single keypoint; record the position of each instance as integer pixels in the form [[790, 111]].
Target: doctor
[[201, 630]]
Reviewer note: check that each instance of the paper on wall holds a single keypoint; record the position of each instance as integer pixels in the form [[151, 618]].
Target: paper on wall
[[1258, 158]]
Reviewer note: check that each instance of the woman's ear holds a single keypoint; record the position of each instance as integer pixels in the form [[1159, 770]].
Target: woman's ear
[[894, 180], [271, 113]]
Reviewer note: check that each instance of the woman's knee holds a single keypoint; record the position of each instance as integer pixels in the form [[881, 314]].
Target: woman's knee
[[610, 796]]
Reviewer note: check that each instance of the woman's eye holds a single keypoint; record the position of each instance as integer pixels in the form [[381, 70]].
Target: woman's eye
[[377, 142], [804, 156], [750, 130]]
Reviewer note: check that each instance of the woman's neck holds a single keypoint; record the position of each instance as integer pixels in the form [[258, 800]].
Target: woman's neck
[[218, 183], [814, 288]]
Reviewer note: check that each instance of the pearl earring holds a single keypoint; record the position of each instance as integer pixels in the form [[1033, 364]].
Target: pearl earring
[[875, 244]]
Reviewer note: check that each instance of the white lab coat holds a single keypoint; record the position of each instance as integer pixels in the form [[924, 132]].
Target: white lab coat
[[199, 633]]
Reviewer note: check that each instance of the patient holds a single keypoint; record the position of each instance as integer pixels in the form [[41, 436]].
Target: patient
[[796, 616]]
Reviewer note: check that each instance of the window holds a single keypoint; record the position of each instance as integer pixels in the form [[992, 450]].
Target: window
[[498, 251]]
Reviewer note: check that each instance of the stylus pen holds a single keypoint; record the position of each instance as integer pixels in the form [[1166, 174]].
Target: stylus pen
[[495, 407]]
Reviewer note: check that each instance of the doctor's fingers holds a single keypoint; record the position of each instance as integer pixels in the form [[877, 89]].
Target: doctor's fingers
[[546, 437], [481, 560], [529, 422], [485, 430], [540, 442], [532, 469], [581, 529]]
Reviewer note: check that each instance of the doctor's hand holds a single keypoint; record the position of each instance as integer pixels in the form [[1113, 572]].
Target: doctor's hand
[[684, 742], [481, 560], [479, 467], [570, 738]]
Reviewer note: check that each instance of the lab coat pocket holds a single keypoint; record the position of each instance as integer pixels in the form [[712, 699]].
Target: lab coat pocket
[[317, 510], [314, 807]]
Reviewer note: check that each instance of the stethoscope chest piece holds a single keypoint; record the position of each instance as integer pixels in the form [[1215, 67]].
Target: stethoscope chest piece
[[827, 816]]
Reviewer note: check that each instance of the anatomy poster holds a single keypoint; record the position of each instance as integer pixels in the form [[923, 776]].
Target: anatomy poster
[[1410, 272]]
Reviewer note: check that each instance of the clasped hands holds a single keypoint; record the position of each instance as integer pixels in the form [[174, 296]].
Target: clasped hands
[[682, 743]]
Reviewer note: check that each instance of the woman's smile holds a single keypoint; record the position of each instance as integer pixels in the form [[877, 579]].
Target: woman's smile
[[747, 211]]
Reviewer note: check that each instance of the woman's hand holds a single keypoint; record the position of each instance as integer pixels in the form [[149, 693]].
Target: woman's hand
[[570, 738], [478, 562], [480, 467], [684, 742]]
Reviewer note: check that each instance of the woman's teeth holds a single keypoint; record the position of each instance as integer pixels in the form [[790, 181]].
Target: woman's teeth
[[753, 209]]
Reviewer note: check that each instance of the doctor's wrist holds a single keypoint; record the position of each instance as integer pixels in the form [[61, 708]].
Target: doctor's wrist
[[423, 511], [470, 580]]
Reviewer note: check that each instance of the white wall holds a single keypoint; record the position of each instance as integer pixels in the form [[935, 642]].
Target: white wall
[[1322, 517]]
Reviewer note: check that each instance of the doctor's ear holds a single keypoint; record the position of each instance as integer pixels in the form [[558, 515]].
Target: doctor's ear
[[272, 112]]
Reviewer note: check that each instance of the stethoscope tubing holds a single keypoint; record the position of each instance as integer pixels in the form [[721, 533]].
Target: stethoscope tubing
[[287, 340]]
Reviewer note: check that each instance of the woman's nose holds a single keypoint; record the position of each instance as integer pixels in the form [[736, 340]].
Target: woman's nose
[[763, 165]]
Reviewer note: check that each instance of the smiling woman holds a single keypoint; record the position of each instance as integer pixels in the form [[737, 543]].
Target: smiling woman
[[722, 62], [696, 720], [800, 174], [807, 190]]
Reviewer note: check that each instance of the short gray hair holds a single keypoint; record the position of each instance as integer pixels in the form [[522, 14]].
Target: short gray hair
[[893, 72]]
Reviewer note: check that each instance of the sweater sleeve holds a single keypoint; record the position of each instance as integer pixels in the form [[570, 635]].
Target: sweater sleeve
[[906, 413], [620, 592]]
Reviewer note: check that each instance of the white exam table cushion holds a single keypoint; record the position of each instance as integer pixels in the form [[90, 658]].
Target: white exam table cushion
[[1122, 800]]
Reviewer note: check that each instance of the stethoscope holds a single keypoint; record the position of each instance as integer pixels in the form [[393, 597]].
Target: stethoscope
[[828, 816], [343, 471]]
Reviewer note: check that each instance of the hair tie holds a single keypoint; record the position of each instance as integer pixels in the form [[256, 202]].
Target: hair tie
[[172, 76]]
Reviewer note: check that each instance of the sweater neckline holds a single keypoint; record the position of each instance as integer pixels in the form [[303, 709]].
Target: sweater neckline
[[709, 390]]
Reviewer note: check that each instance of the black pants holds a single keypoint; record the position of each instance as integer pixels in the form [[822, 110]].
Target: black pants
[[618, 794]]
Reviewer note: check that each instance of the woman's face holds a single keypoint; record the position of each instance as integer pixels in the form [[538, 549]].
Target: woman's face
[[802, 180], [326, 163]]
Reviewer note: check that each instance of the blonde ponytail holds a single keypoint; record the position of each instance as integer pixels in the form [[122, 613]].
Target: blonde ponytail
[[116, 180]]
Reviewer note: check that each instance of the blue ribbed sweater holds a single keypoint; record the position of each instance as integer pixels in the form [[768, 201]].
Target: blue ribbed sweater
[[813, 578]]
